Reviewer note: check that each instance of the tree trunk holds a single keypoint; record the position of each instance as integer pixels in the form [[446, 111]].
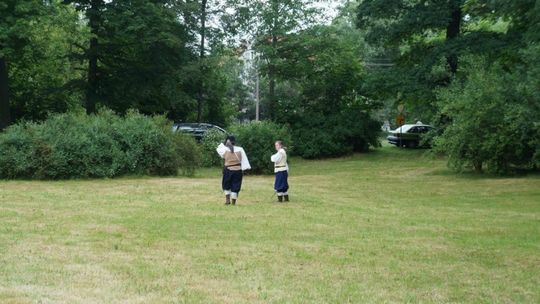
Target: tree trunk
[[452, 32], [92, 86], [5, 110], [477, 165], [200, 94], [91, 89]]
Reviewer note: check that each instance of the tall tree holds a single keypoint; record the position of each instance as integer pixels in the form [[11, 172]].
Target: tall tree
[[201, 18], [5, 109], [43, 74], [268, 23], [494, 103], [139, 55], [93, 10], [425, 40], [144, 53], [15, 21], [453, 30], [413, 23]]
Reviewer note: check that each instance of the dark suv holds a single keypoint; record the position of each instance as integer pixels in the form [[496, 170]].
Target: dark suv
[[408, 135], [197, 130]]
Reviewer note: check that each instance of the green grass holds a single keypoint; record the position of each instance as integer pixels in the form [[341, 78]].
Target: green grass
[[388, 226]]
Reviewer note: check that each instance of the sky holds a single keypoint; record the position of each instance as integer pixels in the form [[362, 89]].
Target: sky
[[329, 7]]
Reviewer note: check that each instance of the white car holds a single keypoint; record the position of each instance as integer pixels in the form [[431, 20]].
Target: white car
[[408, 135]]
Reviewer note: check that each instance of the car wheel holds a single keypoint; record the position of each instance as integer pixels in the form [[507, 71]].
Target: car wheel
[[412, 144]]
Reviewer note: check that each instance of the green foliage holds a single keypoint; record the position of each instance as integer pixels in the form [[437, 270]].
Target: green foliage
[[20, 154], [491, 126], [208, 146], [43, 73], [144, 53], [147, 60], [328, 115], [35, 37], [267, 24], [188, 152], [529, 82], [103, 145], [423, 41], [324, 64], [257, 139], [319, 135], [16, 21], [488, 115]]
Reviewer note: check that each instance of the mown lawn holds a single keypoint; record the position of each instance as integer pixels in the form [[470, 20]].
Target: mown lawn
[[388, 226]]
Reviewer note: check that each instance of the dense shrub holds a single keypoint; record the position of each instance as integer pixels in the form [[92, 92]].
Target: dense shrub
[[103, 145], [257, 139], [491, 126], [188, 152], [208, 146], [318, 135]]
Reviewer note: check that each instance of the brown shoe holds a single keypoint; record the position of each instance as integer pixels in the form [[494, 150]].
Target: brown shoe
[[286, 197], [227, 199]]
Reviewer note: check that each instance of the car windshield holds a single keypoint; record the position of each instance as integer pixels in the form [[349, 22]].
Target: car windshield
[[195, 128], [403, 129]]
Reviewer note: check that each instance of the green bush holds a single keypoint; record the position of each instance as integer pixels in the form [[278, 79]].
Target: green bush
[[257, 139], [491, 126], [318, 135], [18, 151], [103, 145], [208, 146], [188, 152]]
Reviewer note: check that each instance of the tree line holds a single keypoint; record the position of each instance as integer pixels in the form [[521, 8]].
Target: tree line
[[469, 67], [157, 56]]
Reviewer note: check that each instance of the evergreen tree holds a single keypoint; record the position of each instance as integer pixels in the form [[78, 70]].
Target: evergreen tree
[[93, 10], [15, 23]]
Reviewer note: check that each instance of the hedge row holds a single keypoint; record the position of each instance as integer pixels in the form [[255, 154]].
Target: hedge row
[[103, 145], [76, 145], [314, 137]]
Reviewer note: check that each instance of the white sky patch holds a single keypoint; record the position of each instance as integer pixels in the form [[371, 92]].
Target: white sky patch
[[329, 8]]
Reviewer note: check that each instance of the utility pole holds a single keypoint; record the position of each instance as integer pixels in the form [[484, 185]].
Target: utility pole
[[257, 91], [254, 66], [200, 93]]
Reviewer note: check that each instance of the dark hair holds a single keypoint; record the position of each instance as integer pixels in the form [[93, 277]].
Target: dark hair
[[232, 139]]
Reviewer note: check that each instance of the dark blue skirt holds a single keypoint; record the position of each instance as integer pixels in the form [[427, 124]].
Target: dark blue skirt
[[281, 184]]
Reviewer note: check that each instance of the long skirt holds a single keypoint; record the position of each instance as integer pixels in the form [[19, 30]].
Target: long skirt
[[232, 180], [281, 184]]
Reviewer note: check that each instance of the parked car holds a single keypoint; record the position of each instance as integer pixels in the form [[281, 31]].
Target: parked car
[[197, 130], [408, 135]]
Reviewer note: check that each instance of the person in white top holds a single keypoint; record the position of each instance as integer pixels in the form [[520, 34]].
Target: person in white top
[[281, 171], [235, 161]]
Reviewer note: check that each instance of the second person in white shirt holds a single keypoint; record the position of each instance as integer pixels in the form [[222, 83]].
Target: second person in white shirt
[[281, 171]]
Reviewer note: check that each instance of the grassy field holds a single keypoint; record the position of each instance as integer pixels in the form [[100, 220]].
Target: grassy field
[[388, 226]]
